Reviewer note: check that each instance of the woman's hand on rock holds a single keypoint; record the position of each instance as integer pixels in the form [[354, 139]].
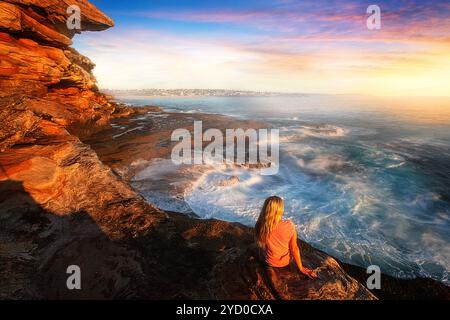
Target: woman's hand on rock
[[310, 273]]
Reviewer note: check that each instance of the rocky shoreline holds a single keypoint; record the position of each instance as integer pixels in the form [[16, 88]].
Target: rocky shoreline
[[61, 205], [151, 142]]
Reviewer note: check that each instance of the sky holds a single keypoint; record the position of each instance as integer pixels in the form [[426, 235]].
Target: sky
[[309, 46]]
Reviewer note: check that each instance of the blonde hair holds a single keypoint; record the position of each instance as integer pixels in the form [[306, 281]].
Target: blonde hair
[[269, 217]]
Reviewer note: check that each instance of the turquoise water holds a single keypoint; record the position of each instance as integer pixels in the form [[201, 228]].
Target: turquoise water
[[364, 179]]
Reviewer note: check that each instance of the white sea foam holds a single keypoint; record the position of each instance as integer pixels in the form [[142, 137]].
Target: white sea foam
[[347, 226], [396, 165], [350, 194], [128, 131], [322, 131], [156, 169], [139, 162], [322, 163]]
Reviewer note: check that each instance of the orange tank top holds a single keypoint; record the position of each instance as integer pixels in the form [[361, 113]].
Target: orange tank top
[[277, 246]]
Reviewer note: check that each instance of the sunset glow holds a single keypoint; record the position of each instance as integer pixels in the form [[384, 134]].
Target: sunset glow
[[285, 46]]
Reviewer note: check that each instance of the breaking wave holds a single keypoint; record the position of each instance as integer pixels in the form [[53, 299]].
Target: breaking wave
[[372, 193]]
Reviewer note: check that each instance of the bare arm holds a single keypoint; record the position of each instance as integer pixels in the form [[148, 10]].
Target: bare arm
[[295, 251]]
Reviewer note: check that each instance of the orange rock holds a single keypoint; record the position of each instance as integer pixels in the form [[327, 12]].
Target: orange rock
[[34, 53], [10, 17], [14, 19], [29, 68], [92, 19]]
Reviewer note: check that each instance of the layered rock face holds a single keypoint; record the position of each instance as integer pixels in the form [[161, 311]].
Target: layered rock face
[[48, 99], [36, 62], [61, 206]]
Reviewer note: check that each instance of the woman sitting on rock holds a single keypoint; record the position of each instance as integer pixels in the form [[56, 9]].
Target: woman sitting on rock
[[276, 238]]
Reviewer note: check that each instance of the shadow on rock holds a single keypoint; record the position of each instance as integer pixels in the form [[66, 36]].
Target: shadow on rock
[[36, 248]]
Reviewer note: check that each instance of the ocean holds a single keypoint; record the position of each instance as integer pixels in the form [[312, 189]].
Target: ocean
[[365, 179]]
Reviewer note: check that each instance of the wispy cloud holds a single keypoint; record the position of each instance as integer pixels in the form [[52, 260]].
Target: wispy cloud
[[306, 18], [284, 46]]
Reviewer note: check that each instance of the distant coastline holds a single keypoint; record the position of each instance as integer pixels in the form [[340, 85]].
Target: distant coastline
[[196, 93]]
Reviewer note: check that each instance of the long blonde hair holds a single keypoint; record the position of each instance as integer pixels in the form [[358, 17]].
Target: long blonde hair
[[269, 217]]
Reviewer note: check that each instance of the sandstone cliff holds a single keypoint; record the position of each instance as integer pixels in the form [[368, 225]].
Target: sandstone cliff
[[60, 205], [37, 63]]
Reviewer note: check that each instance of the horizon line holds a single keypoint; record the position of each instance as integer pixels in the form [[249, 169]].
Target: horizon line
[[281, 92]]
